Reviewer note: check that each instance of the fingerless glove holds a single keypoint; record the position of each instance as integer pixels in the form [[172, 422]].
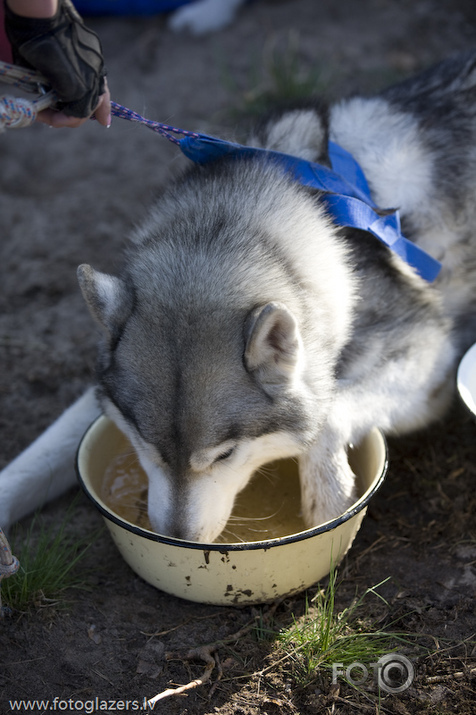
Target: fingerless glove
[[65, 51]]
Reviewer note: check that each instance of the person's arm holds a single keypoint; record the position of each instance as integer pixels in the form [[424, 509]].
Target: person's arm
[[33, 8], [50, 37]]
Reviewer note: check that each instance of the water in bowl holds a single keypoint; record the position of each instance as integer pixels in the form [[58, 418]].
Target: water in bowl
[[269, 507]]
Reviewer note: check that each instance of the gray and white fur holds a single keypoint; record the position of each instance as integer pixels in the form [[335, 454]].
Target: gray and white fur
[[245, 326]]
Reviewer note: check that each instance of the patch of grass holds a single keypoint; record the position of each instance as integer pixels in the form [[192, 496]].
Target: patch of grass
[[323, 637], [282, 79], [48, 565]]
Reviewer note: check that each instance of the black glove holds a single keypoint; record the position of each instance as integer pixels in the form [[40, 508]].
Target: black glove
[[65, 51]]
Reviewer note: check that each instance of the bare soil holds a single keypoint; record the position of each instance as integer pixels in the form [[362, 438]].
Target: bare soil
[[69, 197]]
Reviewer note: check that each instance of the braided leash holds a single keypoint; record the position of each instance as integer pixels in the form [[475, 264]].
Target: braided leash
[[17, 112], [9, 564], [167, 131], [21, 77]]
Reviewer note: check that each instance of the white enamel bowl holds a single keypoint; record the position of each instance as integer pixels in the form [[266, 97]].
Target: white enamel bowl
[[466, 379], [248, 572]]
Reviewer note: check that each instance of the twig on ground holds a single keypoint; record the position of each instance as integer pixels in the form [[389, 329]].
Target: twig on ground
[[204, 654], [460, 675], [207, 654]]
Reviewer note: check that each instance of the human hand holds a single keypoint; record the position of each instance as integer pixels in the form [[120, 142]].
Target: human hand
[[59, 119], [67, 54]]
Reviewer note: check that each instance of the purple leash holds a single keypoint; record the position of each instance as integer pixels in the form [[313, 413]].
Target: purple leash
[[164, 129]]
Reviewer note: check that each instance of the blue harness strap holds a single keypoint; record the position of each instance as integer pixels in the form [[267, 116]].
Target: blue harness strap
[[347, 200], [346, 193]]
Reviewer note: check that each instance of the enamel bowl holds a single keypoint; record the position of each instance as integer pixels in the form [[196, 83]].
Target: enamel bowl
[[279, 556], [466, 379]]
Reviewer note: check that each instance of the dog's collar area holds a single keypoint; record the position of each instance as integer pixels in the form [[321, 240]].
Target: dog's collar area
[[346, 193]]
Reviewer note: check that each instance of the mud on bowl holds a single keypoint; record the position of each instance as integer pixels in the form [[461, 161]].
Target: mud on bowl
[[279, 557]]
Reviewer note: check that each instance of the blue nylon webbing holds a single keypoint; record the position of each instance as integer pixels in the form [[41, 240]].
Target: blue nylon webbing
[[347, 199], [346, 193]]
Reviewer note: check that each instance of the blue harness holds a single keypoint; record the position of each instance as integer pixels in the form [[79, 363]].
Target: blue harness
[[346, 193]]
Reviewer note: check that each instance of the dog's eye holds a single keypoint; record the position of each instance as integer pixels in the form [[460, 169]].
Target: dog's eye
[[225, 455]]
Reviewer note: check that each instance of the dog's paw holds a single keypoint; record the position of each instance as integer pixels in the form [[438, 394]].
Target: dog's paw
[[204, 16]]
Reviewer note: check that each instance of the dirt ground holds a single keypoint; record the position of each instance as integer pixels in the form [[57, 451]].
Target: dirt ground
[[69, 197]]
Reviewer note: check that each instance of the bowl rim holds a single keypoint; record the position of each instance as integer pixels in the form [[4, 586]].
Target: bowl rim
[[467, 361], [225, 547]]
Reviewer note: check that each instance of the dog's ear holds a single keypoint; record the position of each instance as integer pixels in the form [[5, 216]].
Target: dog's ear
[[272, 346], [109, 299]]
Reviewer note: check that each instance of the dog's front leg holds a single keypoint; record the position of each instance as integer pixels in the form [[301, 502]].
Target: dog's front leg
[[46, 468], [327, 481]]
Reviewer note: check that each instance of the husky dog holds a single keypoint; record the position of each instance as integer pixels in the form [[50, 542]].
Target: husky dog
[[247, 326]]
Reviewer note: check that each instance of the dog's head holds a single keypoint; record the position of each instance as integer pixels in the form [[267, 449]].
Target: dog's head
[[205, 400]]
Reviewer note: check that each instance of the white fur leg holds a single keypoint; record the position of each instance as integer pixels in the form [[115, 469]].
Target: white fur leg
[[46, 468], [204, 16], [327, 481]]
